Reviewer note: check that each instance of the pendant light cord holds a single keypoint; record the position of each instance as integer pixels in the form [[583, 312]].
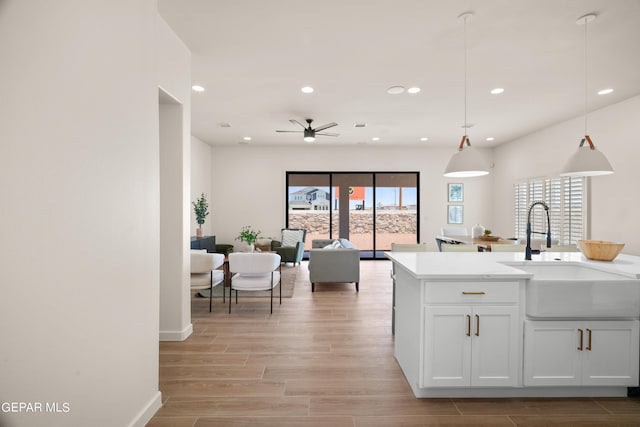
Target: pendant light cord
[[465, 77], [585, 76]]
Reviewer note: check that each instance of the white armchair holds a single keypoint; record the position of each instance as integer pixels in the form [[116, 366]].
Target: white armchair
[[254, 271], [205, 273]]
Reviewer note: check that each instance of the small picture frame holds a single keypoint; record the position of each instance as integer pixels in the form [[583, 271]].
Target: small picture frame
[[456, 193], [455, 214]]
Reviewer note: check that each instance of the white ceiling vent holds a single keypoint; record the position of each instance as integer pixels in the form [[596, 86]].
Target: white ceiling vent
[[360, 125]]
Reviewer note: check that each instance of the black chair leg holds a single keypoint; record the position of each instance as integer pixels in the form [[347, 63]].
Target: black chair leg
[[357, 287], [210, 291]]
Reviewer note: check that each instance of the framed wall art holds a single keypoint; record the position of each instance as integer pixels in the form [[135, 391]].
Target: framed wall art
[[455, 214], [456, 193]]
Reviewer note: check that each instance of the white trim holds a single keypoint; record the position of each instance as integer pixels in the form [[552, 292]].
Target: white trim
[[177, 335], [148, 411]]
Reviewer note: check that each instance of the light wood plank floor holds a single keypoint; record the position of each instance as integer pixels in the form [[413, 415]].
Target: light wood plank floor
[[326, 359]]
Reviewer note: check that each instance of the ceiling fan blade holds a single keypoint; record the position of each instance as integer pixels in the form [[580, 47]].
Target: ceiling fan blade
[[328, 134], [292, 131], [327, 126], [294, 121]]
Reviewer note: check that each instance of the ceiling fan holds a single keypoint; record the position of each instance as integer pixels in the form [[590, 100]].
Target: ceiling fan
[[309, 132]]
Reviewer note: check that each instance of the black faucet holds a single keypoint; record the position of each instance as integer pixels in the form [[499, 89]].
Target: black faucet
[[527, 255]]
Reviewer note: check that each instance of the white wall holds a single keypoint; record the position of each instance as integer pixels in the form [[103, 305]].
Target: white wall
[[253, 190], [201, 181], [614, 202], [80, 211]]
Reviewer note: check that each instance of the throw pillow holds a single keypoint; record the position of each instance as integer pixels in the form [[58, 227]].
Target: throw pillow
[[333, 245], [291, 237], [347, 244]]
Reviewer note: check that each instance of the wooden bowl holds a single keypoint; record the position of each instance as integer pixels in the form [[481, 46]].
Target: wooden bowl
[[600, 250], [489, 238]]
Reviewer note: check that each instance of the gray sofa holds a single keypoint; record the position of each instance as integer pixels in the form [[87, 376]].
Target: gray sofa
[[334, 265]]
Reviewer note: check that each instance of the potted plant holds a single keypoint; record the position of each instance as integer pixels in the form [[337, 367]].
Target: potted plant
[[201, 209], [248, 236]]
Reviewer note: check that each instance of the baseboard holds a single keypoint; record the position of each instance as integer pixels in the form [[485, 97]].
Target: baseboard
[[177, 335], [148, 411]]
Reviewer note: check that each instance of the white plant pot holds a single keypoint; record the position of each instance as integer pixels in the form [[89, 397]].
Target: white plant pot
[[244, 247]]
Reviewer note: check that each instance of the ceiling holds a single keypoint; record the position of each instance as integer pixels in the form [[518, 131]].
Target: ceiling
[[253, 57]]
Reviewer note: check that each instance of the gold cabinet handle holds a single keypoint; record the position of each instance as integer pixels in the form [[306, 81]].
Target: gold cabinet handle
[[477, 325], [581, 332], [468, 325], [589, 339], [472, 293]]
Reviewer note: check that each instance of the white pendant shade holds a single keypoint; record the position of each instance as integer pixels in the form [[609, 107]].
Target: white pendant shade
[[587, 161], [466, 163]]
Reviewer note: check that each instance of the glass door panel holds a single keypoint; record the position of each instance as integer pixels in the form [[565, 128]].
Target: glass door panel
[[396, 213], [355, 190], [308, 204]]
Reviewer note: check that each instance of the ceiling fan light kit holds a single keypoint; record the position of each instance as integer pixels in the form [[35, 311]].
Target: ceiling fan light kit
[[309, 133], [587, 160], [465, 163]]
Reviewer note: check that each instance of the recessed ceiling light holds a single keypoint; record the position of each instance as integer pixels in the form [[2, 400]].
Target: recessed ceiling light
[[605, 91], [395, 90], [413, 89], [307, 89], [424, 139], [375, 138], [497, 91], [247, 138], [490, 138], [197, 88]]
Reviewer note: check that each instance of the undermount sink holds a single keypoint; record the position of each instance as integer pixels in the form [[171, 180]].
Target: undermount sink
[[575, 290]]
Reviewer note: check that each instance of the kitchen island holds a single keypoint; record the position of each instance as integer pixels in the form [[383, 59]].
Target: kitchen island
[[494, 325]]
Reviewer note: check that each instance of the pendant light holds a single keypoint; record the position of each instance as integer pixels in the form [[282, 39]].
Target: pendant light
[[587, 160], [465, 163]]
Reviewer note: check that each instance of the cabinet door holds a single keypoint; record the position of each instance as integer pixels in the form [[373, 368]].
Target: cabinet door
[[446, 360], [610, 355], [551, 355], [494, 350]]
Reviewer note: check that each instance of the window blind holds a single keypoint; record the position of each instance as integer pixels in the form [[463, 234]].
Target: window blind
[[566, 199]]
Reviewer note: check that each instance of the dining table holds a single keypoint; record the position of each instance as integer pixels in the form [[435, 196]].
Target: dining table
[[484, 244]]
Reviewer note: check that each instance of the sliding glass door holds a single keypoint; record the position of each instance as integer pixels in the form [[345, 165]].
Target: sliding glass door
[[371, 209]]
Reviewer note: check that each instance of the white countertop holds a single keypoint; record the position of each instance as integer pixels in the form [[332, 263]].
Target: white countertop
[[489, 265]]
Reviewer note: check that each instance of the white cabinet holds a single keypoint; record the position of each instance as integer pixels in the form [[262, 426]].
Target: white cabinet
[[582, 352], [470, 345]]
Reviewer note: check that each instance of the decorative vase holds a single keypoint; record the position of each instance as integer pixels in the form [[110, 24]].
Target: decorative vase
[[199, 232], [477, 231]]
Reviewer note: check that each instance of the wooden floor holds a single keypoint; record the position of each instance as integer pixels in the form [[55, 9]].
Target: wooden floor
[[326, 359]]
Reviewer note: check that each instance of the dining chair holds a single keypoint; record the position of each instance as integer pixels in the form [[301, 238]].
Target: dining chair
[[450, 247], [254, 271], [408, 247], [507, 247], [454, 231], [205, 273]]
